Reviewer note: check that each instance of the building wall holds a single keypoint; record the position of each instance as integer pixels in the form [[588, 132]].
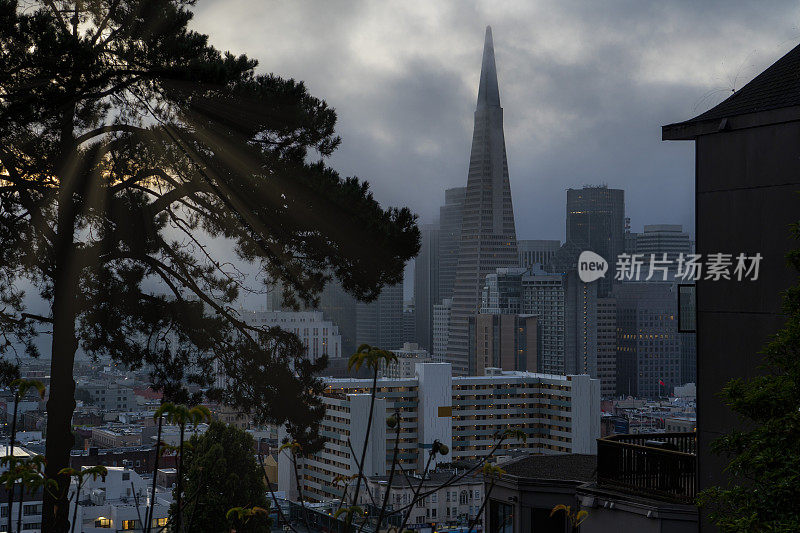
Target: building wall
[[318, 335], [560, 414], [607, 346], [441, 328], [532, 252], [746, 193], [596, 221], [426, 285]]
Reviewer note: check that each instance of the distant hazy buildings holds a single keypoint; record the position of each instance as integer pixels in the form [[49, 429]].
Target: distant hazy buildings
[[441, 329], [566, 309], [488, 236], [426, 285], [449, 238], [596, 221], [532, 252], [380, 323], [318, 335], [648, 343], [663, 241]]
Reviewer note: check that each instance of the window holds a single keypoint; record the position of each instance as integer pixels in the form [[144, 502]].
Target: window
[[31, 526], [32, 509], [126, 476], [159, 522], [131, 524], [102, 522], [501, 518]]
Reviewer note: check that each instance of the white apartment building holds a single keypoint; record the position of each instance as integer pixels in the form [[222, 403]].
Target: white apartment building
[[115, 503], [319, 336], [560, 414], [407, 358]]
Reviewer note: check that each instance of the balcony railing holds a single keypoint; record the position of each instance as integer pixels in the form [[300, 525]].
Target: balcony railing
[[658, 465]]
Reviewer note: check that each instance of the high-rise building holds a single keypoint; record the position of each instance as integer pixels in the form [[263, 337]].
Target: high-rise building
[[508, 342], [409, 322], [488, 235], [648, 342], [340, 308], [426, 285], [607, 346], [566, 309], [532, 252], [659, 239], [380, 322], [596, 221], [449, 238], [441, 328]]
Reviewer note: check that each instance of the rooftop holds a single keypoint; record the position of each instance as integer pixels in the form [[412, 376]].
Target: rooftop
[[777, 87], [563, 467]]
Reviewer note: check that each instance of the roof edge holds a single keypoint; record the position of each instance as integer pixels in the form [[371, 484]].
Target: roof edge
[[691, 129]]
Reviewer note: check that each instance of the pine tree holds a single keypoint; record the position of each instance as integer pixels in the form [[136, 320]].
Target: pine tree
[[130, 149]]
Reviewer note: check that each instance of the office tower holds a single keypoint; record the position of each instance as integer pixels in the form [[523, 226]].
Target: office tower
[[449, 238], [533, 252], [566, 309], [508, 342], [409, 322], [559, 414], [688, 358], [607, 346], [318, 335], [596, 221], [426, 285], [648, 342], [660, 239], [380, 322], [488, 236], [441, 328], [340, 308]]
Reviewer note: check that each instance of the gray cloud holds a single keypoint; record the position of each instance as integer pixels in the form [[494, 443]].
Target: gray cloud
[[585, 87]]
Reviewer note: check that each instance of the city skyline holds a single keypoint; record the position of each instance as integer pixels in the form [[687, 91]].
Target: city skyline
[[586, 91]]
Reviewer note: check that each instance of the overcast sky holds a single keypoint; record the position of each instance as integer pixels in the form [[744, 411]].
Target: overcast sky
[[585, 87]]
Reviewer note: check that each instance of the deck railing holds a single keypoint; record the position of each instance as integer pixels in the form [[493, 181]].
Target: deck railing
[[659, 465]]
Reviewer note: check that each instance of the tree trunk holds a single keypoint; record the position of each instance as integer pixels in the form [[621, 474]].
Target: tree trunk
[[179, 481], [61, 403]]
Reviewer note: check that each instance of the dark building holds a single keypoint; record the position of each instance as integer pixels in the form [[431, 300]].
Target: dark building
[[488, 235], [504, 341], [596, 221], [449, 238], [747, 161], [380, 322], [523, 498], [649, 346], [426, 286]]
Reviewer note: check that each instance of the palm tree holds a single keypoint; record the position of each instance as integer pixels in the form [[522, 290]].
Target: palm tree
[[159, 415], [80, 478], [372, 358], [181, 415], [21, 388]]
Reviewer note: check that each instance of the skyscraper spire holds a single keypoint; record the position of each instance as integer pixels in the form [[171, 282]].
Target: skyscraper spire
[[488, 92], [488, 236]]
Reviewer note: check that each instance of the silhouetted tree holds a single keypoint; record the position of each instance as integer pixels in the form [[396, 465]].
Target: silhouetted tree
[[130, 151], [221, 472]]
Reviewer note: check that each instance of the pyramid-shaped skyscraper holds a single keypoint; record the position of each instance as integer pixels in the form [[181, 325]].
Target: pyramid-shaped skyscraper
[[488, 236]]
